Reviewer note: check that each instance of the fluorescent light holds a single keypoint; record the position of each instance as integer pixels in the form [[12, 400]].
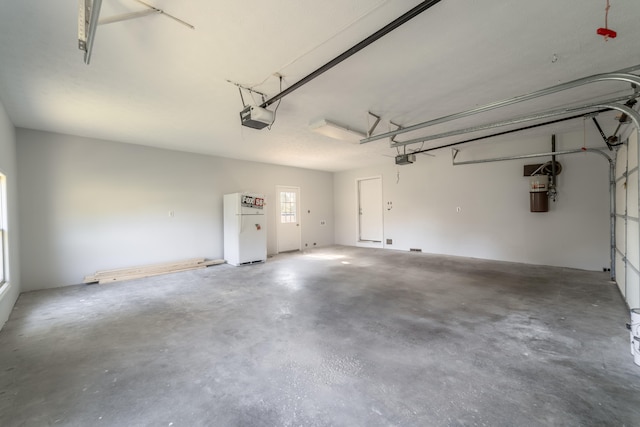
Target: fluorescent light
[[335, 131]]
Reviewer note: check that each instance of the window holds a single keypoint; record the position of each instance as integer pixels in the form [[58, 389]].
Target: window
[[3, 230], [287, 207]]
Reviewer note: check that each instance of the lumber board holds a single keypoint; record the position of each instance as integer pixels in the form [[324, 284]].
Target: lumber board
[[160, 266], [212, 262], [116, 275], [143, 275], [144, 268]]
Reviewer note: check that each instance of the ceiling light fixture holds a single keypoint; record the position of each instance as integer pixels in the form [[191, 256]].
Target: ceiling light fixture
[[335, 131]]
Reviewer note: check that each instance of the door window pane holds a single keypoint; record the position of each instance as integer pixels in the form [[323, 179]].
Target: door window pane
[[287, 207]]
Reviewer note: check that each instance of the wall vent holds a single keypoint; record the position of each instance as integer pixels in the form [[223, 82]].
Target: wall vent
[[415, 250], [389, 241]]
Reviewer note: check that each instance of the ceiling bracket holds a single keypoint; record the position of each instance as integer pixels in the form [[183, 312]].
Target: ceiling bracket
[[244, 104], [248, 89], [89, 19], [128, 16], [375, 124], [151, 10], [612, 141], [398, 127], [623, 119]]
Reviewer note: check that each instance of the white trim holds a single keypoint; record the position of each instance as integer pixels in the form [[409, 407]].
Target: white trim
[[366, 243], [298, 214]]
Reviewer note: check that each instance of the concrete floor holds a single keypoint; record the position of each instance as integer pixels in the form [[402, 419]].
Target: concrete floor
[[337, 336]]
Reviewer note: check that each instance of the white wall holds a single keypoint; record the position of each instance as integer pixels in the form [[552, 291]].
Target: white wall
[[495, 221], [9, 293], [92, 204]]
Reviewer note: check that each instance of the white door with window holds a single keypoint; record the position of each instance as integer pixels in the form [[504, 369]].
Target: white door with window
[[288, 228], [370, 211]]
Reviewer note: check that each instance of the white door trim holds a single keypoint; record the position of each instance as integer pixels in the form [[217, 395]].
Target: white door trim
[[366, 243], [298, 215]]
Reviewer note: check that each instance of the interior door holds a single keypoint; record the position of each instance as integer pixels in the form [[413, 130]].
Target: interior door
[[370, 210], [288, 230]]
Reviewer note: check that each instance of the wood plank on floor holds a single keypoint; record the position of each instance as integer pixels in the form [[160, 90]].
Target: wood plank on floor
[[116, 275]]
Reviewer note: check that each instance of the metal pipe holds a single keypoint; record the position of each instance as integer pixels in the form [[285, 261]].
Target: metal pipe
[[513, 121], [506, 132], [533, 156], [612, 219], [625, 77], [355, 49]]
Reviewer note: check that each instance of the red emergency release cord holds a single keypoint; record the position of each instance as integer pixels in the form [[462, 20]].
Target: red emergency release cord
[[606, 32]]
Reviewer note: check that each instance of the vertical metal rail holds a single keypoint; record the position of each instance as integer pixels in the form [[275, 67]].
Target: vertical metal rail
[[554, 178], [635, 117], [93, 26], [612, 215], [626, 221], [636, 120]]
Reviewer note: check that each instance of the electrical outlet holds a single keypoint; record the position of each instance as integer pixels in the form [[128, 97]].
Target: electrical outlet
[[389, 241], [323, 222]]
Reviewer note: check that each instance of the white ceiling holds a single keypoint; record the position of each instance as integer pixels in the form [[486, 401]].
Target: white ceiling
[[155, 82]]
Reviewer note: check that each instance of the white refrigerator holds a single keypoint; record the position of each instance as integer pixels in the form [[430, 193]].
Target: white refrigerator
[[245, 229]]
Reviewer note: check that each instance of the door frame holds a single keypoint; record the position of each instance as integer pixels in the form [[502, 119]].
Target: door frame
[[366, 243], [299, 216]]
